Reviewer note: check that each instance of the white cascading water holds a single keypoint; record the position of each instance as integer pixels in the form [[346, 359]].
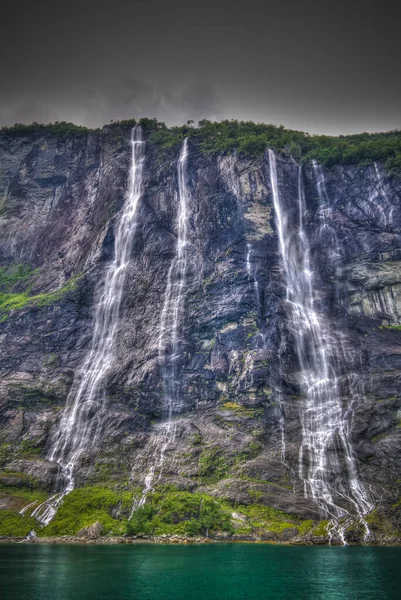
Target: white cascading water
[[170, 331], [80, 425], [251, 272], [169, 340], [385, 212], [380, 183], [327, 232], [327, 464]]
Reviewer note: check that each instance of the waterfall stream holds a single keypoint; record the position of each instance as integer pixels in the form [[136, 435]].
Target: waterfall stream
[[250, 269], [327, 464], [169, 345], [80, 425], [169, 339]]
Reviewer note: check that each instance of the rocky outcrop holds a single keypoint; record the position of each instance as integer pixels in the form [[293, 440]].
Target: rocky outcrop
[[92, 532], [239, 433]]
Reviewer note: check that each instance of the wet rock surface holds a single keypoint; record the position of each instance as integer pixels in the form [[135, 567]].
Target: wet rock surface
[[238, 434]]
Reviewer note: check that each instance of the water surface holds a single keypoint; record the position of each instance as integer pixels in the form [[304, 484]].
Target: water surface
[[223, 571]]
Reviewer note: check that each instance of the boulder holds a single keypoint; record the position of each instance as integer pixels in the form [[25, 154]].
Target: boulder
[[92, 532]]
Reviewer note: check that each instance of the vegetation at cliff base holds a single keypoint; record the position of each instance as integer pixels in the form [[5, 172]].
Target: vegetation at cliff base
[[15, 525], [179, 512], [167, 511], [84, 506]]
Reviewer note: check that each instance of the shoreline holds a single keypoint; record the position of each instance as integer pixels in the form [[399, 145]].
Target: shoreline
[[184, 540]]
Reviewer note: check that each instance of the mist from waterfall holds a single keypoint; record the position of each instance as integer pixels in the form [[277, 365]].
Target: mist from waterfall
[[327, 464], [170, 337], [80, 426]]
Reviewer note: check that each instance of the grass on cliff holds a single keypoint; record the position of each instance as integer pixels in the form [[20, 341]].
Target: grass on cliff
[[17, 275], [15, 286]]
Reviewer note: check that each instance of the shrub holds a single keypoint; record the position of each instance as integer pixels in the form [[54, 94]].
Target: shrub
[[179, 512], [14, 524], [84, 506]]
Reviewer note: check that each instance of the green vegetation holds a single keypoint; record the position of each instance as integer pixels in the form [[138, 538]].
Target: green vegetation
[[20, 277], [379, 437], [26, 489], [234, 406], [84, 506], [61, 128], [265, 518], [14, 524], [196, 439], [5, 452], [20, 480], [306, 527], [176, 512], [213, 464], [321, 528], [56, 128], [244, 411], [30, 448], [255, 495], [380, 524], [168, 511], [216, 463], [251, 139], [52, 361], [394, 327], [15, 276]]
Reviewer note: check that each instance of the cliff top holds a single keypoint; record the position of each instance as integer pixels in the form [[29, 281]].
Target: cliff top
[[248, 138]]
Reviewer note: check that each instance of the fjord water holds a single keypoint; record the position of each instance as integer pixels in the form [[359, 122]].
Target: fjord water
[[226, 571], [80, 425]]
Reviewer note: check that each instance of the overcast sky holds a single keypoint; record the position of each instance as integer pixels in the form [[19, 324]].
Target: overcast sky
[[315, 65]]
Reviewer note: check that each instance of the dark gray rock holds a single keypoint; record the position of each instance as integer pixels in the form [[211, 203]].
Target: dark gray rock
[[238, 374]]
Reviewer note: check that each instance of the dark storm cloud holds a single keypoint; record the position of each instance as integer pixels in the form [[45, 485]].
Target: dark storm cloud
[[315, 65]]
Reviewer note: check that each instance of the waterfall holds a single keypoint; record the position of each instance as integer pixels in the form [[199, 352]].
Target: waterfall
[[251, 272], [327, 232], [80, 425], [252, 276], [381, 184], [169, 344], [169, 339], [384, 213], [327, 464]]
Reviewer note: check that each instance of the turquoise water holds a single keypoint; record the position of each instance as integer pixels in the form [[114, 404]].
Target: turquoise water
[[232, 571]]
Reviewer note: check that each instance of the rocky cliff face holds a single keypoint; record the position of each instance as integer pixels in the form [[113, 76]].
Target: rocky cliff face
[[237, 431]]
